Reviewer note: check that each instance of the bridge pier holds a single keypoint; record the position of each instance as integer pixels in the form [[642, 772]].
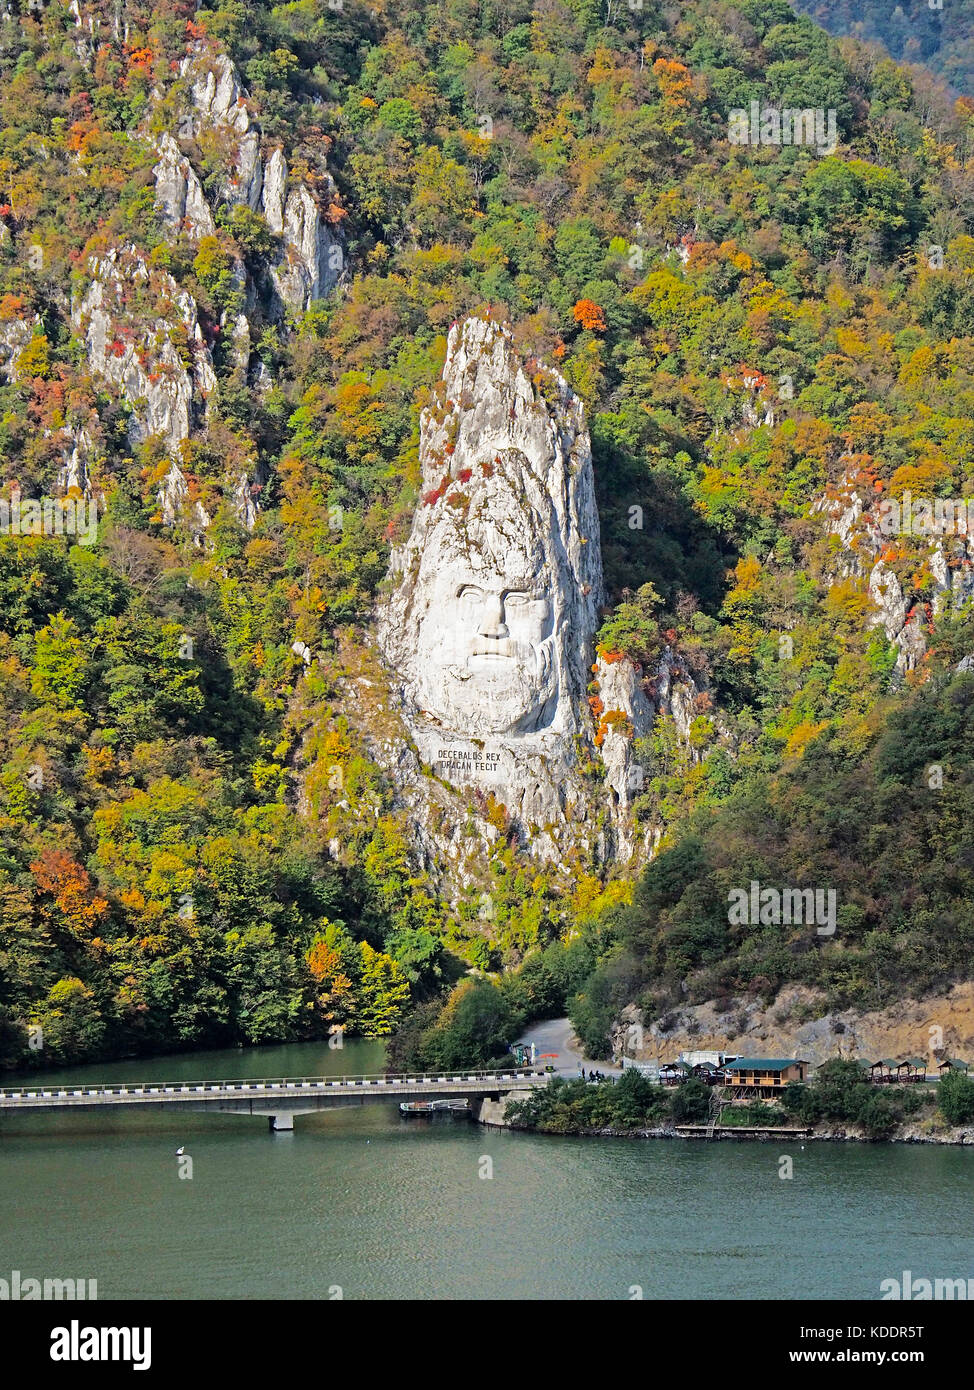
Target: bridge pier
[[283, 1120], [490, 1110]]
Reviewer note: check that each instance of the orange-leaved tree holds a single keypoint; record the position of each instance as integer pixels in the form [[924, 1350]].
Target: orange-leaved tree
[[589, 315], [69, 884]]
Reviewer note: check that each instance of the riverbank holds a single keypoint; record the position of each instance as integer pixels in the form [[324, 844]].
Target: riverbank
[[910, 1134], [839, 1104]]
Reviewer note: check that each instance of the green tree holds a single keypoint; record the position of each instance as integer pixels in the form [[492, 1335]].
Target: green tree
[[955, 1098], [383, 993], [691, 1101], [59, 673]]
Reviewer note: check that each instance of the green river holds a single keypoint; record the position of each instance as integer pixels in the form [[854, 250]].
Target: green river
[[378, 1205]]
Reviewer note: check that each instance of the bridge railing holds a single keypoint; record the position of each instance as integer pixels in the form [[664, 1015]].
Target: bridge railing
[[55, 1090]]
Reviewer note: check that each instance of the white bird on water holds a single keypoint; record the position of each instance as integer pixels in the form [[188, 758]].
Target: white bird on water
[[180, 1151]]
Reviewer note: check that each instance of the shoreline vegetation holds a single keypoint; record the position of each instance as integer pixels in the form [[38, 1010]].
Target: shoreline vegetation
[[838, 1104]]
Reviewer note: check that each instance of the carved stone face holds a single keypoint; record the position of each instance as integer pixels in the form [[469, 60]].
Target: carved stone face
[[484, 652], [486, 625]]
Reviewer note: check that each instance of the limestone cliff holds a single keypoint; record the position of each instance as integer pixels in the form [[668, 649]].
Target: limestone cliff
[[869, 548], [15, 334], [488, 625], [135, 349], [144, 334], [310, 260]]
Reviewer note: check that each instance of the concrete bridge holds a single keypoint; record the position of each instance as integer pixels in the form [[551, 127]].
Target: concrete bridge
[[280, 1099]]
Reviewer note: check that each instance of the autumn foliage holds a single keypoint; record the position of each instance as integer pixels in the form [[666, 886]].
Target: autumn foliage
[[589, 315], [69, 884]]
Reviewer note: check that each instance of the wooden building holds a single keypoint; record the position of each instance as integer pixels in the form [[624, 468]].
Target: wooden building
[[953, 1064], [672, 1073], [710, 1074], [763, 1076]]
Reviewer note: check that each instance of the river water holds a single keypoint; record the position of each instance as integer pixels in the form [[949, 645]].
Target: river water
[[380, 1206]]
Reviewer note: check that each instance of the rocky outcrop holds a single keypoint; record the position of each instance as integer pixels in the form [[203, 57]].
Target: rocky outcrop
[[15, 334], [165, 386], [797, 1024], [179, 193], [143, 334], [869, 547], [130, 318], [488, 625], [629, 703], [74, 474], [496, 594], [753, 395], [311, 259], [85, 28]]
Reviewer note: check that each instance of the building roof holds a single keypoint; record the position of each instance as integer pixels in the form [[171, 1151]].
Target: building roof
[[955, 1064], [920, 1062], [762, 1064]]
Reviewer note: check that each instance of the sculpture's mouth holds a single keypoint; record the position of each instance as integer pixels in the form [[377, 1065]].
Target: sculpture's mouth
[[502, 649]]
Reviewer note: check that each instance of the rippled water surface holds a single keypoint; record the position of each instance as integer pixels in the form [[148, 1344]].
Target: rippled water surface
[[382, 1206]]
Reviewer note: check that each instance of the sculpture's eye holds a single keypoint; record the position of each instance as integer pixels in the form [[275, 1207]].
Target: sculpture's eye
[[469, 594], [516, 598]]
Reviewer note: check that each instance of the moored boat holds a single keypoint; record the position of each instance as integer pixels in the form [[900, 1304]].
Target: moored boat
[[427, 1107]]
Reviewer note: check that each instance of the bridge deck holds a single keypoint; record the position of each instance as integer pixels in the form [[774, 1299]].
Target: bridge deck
[[293, 1088]]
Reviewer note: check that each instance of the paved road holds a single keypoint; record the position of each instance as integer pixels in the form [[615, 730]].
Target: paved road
[[555, 1035]]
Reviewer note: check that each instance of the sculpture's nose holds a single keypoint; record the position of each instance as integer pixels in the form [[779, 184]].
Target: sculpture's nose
[[492, 619]]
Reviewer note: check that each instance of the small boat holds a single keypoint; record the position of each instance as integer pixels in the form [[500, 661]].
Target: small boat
[[427, 1107]]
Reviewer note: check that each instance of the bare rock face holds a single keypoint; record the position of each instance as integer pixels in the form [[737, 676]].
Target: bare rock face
[[76, 456], [138, 355], [629, 707], [179, 193], [490, 620], [494, 607], [866, 549], [492, 623], [312, 260], [217, 93], [798, 1024], [311, 257], [142, 334], [15, 334]]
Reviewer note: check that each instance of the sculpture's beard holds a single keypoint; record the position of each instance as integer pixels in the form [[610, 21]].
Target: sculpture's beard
[[500, 685]]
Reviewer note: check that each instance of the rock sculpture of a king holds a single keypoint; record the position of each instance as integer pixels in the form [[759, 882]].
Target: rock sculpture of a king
[[489, 622]]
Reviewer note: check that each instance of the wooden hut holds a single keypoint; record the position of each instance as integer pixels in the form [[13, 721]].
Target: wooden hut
[[710, 1074], [763, 1076], [953, 1064], [672, 1073]]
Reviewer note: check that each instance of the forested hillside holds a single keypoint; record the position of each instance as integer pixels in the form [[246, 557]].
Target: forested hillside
[[194, 847], [940, 35]]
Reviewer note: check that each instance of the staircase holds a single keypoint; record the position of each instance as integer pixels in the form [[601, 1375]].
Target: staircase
[[716, 1105]]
